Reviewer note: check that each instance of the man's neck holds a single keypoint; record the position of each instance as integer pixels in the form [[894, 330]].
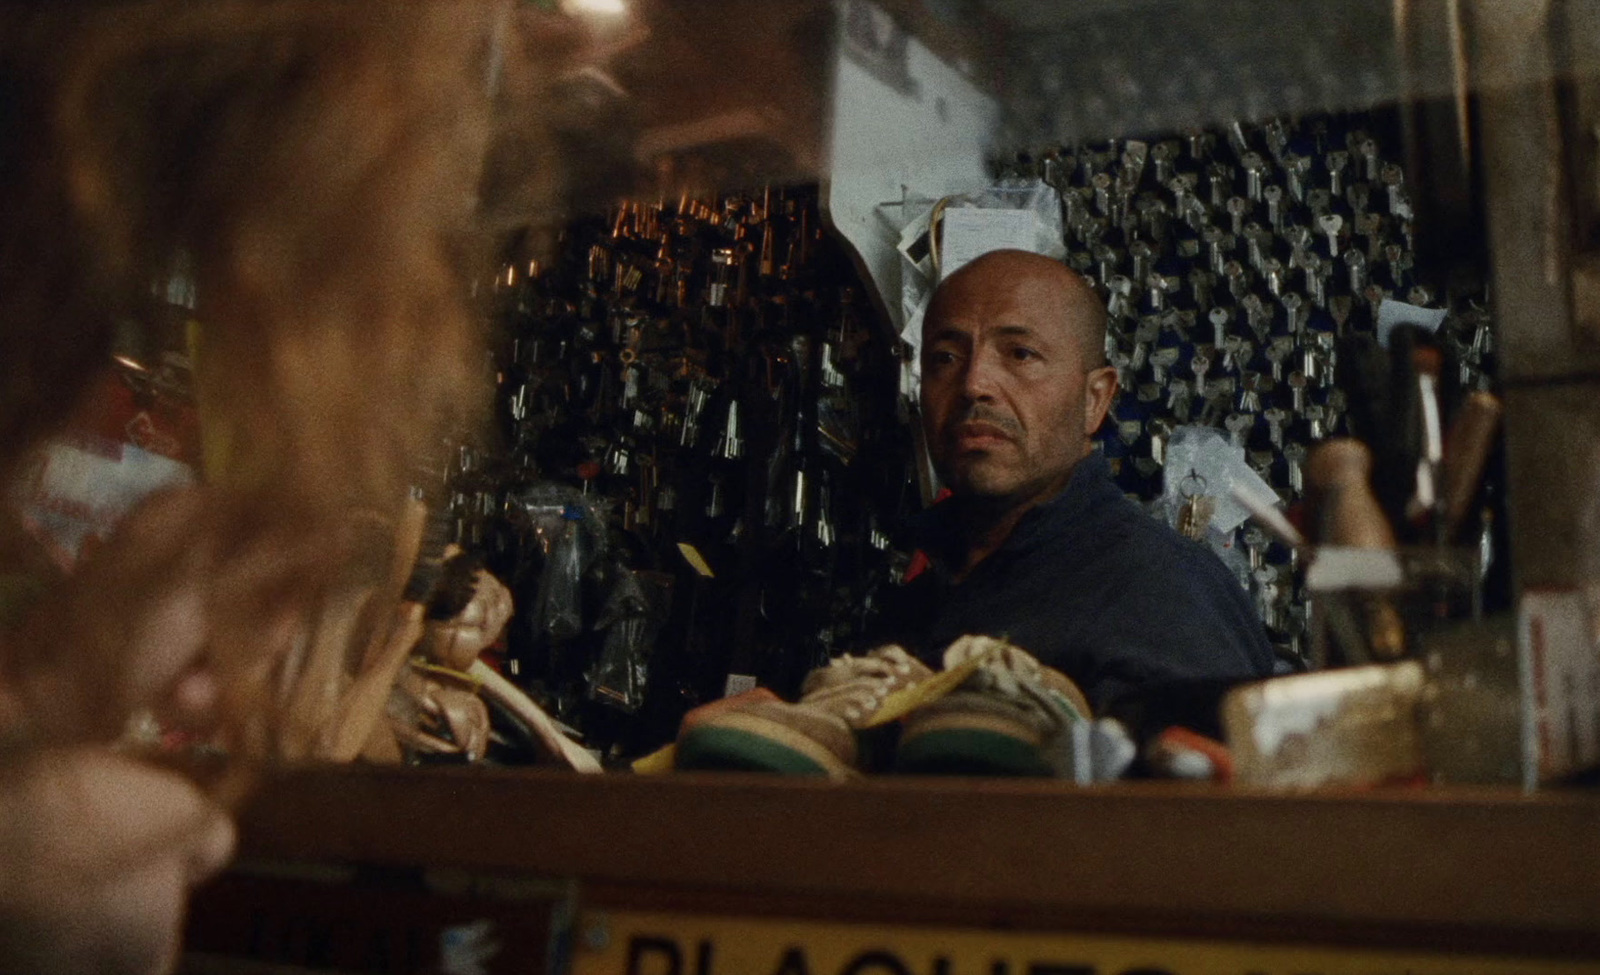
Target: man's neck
[[986, 523]]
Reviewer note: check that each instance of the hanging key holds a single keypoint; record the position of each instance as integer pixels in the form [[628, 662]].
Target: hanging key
[[1239, 426], [1393, 179], [1123, 363], [1272, 272], [1255, 543], [1276, 418], [1119, 304], [1297, 169], [1261, 461], [1249, 391], [1356, 263], [1330, 224], [1258, 315], [1336, 406], [1200, 364], [1238, 283], [1219, 318], [1106, 258], [1281, 348], [1129, 431], [1258, 242], [1160, 434], [1314, 421], [1316, 279], [1179, 397], [1159, 286], [1160, 361], [1144, 336], [1219, 177], [1294, 454], [1297, 390], [1236, 353], [1337, 162], [1238, 209], [1216, 252], [1294, 307], [1319, 201], [1273, 195], [1299, 238], [1368, 148], [1255, 173], [1149, 392]]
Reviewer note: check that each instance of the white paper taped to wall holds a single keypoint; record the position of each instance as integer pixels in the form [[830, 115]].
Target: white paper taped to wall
[[971, 232]]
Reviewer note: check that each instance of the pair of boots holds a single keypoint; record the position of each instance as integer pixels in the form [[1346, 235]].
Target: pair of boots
[[992, 710]]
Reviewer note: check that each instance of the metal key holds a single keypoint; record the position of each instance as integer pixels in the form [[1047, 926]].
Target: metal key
[[1314, 420], [1368, 147], [1200, 363], [1148, 330], [1294, 306], [1238, 208], [1255, 170], [1272, 271], [1239, 426], [1276, 417], [1297, 168], [1280, 349], [1249, 391], [1143, 258], [1160, 361], [1179, 398], [1297, 389], [1163, 155], [1294, 454], [1160, 433], [1258, 315], [1356, 263], [1317, 272], [1336, 162], [1219, 318], [1393, 179], [1330, 224], [1273, 195], [1238, 284]]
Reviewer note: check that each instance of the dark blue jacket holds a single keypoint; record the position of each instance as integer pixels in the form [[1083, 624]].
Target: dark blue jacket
[[1092, 586]]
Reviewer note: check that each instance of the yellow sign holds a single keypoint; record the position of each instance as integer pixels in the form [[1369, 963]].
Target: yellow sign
[[682, 944]]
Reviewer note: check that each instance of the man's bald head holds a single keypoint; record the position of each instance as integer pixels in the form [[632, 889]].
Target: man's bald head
[[1013, 376], [1081, 308]]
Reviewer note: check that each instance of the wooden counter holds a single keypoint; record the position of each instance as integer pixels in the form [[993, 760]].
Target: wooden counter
[[1459, 870]]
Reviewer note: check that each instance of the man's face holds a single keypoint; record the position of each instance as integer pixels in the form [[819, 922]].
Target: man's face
[[1008, 402]]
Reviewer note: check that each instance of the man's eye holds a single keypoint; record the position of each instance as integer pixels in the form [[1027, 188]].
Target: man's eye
[[1022, 353], [941, 357]]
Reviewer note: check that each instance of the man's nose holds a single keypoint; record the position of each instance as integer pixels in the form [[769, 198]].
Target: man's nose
[[979, 379]]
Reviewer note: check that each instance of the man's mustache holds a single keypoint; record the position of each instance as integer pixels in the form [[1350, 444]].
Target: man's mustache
[[981, 413]]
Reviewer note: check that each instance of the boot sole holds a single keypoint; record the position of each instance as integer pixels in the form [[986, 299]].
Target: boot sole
[[750, 743]]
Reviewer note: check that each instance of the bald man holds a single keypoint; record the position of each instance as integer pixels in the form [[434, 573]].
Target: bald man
[[1037, 543]]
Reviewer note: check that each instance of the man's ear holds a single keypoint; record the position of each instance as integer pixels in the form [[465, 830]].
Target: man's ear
[[1099, 389]]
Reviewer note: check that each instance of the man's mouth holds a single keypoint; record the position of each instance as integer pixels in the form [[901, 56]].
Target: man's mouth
[[977, 435]]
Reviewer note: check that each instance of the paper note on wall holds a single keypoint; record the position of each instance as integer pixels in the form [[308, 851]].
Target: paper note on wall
[[971, 232], [1393, 314]]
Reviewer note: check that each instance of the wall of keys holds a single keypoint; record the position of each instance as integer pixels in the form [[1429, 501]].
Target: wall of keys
[[701, 455], [699, 460]]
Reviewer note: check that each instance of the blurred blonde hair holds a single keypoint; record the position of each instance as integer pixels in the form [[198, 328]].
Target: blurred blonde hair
[[318, 162]]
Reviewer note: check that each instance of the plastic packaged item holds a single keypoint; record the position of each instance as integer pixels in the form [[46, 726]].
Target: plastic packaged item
[[1356, 726]]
